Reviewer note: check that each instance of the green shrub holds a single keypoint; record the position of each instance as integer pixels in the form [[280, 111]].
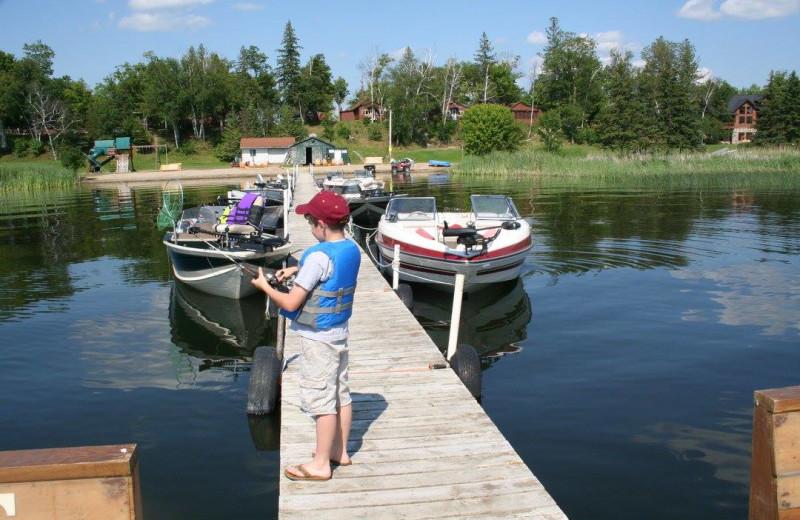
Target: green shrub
[[73, 160], [36, 146], [20, 147], [343, 131], [487, 128], [374, 133]]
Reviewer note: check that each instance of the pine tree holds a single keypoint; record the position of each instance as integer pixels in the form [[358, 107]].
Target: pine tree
[[771, 123], [620, 121], [484, 59], [288, 69]]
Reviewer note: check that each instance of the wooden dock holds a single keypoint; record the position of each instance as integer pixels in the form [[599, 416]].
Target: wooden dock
[[421, 446]]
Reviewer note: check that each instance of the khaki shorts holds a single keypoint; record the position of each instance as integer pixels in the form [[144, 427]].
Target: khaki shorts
[[323, 376]]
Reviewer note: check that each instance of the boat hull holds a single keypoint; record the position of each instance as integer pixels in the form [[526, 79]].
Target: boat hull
[[219, 272], [438, 267]]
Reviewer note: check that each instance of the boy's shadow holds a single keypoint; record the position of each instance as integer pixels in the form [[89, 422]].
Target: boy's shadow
[[265, 429], [366, 409]]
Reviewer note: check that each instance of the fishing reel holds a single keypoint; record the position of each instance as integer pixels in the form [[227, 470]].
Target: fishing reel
[[276, 284]]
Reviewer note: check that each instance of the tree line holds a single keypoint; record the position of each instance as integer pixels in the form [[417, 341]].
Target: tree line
[[661, 104]]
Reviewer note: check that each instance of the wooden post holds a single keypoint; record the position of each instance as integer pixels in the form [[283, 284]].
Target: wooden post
[[775, 463], [455, 316], [91, 483]]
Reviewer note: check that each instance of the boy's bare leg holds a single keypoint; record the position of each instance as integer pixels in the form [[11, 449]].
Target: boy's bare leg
[[343, 423], [320, 466]]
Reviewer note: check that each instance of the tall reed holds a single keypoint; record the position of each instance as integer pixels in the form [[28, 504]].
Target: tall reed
[[776, 168], [28, 177]]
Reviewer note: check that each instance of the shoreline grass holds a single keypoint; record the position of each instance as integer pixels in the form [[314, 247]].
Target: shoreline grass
[[34, 176], [778, 168]]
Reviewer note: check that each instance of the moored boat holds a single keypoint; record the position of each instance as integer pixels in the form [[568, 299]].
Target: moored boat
[[487, 244], [364, 194], [220, 254]]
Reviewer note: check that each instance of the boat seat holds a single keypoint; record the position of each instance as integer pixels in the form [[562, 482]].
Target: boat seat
[[240, 229]]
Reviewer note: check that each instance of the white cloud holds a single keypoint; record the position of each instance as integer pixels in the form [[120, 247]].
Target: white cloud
[[150, 5], [699, 10], [704, 74], [537, 38], [148, 22], [705, 10], [760, 9], [248, 6]]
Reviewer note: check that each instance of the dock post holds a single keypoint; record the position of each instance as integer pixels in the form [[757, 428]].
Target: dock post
[[775, 462], [396, 267], [455, 317]]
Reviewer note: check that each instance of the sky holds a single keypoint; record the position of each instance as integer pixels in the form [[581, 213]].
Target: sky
[[739, 41]]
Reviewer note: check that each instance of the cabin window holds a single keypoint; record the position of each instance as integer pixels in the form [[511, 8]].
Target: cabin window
[[741, 120], [749, 120], [252, 153]]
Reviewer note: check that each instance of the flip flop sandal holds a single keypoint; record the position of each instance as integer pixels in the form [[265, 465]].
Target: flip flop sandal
[[305, 474]]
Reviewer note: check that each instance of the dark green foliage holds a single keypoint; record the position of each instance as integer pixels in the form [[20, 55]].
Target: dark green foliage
[[73, 160], [228, 147], [778, 120], [374, 132], [667, 84], [328, 128], [288, 69], [290, 123], [315, 90], [570, 72], [549, 130], [489, 127], [620, 124], [342, 131], [20, 147]]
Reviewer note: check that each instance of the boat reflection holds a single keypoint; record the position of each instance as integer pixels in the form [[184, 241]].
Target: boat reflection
[[220, 333], [494, 320]]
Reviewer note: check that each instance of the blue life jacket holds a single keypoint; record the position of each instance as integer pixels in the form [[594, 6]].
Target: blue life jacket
[[330, 303]]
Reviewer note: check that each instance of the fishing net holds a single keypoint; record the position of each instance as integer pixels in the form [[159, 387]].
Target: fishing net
[[171, 206]]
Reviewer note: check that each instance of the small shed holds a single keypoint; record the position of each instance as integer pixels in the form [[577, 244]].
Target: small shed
[[311, 150], [264, 150]]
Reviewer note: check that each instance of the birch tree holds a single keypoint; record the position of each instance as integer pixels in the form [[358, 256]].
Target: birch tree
[[47, 115]]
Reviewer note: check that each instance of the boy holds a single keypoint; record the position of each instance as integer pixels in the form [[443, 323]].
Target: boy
[[320, 304]]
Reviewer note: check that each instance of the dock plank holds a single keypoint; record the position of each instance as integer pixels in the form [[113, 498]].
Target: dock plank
[[422, 447]]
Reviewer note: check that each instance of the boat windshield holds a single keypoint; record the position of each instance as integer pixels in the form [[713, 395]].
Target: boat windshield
[[411, 208], [493, 207], [362, 174], [348, 188]]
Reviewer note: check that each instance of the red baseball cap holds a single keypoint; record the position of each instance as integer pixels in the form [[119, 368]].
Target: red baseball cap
[[326, 206]]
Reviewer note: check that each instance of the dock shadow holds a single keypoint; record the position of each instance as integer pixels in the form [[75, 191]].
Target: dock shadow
[[367, 408]]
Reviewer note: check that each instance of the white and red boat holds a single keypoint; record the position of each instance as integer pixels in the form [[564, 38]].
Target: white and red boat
[[487, 244]]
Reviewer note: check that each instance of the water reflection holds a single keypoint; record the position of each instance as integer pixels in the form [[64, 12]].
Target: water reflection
[[494, 320], [220, 333], [760, 295]]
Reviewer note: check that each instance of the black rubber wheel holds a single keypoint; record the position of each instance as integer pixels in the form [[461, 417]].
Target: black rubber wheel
[[406, 168], [467, 365], [406, 295], [265, 373]]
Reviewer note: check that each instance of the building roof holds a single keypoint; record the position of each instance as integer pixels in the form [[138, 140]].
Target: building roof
[[314, 138], [518, 106], [364, 103], [736, 101], [266, 142]]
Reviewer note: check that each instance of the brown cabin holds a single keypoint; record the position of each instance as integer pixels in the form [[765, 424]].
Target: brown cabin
[[745, 114], [455, 111], [361, 110], [522, 112]]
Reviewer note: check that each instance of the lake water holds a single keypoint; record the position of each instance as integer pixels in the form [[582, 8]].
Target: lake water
[[621, 365]]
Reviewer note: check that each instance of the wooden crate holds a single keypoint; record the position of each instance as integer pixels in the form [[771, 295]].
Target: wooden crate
[[90, 483], [775, 464]]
